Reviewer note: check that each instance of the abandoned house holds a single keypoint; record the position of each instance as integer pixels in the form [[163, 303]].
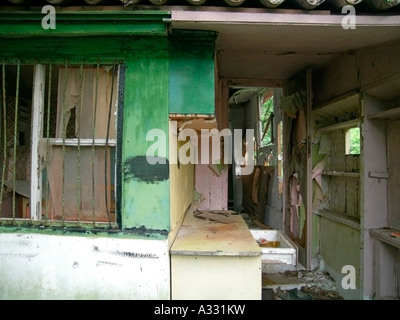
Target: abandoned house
[[186, 149]]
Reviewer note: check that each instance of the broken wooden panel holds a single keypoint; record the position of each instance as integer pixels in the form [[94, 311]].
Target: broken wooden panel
[[296, 156], [352, 197], [195, 122], [255, 187]]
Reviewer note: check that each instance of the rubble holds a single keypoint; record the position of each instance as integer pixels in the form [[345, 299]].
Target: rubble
[[314, 285]]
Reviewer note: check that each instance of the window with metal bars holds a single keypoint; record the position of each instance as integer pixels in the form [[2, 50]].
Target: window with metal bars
[[58, 148]]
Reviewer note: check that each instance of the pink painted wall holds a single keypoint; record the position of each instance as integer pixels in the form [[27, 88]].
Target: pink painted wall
[[213, 188]]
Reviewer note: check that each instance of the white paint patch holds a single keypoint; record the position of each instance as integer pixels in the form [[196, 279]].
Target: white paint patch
[[36, 266]]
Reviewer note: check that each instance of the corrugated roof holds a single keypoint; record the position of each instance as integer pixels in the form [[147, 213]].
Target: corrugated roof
[[361, 6]]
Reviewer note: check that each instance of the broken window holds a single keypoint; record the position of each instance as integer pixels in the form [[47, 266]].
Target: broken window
[[353, 144], [266, 117], [59, 129]]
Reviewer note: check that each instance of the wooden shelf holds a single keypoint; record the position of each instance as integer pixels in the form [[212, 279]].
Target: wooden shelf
[[383, 234], [342, 125], [340, 218], [347, 102], [341, 174], [391, 114]]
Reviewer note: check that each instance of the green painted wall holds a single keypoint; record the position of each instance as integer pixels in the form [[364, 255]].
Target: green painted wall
[[57, 50], [145, 187], [144, 198], [156, 67], [192, 74], [340, 246], [18, 24]]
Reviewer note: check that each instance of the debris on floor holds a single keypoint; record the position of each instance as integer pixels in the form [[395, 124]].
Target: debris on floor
[[301, 285]]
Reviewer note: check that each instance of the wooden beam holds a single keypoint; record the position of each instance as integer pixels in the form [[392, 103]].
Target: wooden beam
[[342, 125], [257, 83], [383, 234], [340, 218], [391, 114], [39, 79]]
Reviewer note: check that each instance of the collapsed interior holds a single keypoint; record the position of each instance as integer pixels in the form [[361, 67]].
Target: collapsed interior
[[325, 144]]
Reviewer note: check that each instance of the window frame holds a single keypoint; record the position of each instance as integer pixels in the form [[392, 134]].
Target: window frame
[[37, 128]]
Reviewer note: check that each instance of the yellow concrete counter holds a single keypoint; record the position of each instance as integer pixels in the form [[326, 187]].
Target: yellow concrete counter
[[216, 261]]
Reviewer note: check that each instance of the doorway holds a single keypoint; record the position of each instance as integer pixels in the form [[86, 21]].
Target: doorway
[[256, 112]]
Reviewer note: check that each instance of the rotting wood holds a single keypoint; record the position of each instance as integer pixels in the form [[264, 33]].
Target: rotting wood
[[226, 213], [395, 234], [215, 215], [260, 224], [341, 173], [254, 191]]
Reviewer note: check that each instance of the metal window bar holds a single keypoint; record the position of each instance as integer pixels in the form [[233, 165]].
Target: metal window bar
[[78, 123], [81, 141], [3, 169], [106, 148], [93, 146], [43, 84], [15, 136], [64, 134]]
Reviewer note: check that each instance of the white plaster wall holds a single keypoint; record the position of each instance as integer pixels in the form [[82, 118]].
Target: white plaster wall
[[35, 266]]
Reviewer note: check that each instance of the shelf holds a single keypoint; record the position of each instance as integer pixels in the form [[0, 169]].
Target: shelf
[[391, 114], [383, 234], [341, 174], [341, 218], [342, 125], [349, 102]]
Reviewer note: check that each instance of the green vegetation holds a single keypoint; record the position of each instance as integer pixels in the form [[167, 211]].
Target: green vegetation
[[355, 144], [266, 114]]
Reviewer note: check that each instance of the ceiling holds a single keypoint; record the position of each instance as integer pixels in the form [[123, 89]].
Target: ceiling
[[264, 44], [259, 45]]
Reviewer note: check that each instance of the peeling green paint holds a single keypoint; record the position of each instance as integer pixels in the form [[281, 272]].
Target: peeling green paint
[[139, 168], [144, 207], [146, 108]]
